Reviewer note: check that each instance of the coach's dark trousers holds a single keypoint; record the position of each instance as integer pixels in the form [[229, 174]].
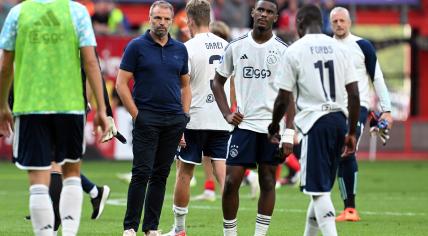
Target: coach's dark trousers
[[155, 141]]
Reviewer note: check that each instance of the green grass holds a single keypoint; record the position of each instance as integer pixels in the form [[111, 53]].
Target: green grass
[[392, 199]]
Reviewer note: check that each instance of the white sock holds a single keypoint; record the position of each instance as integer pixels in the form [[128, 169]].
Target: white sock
[[41, 210], [209, 193], [70, 205], [252, 176], [94, 192], [311, 228], [230, 227], [262, 225], [325, 213], [179, 217]]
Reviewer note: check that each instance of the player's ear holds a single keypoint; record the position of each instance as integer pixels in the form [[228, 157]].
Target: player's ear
[[252, 12], [275, 19]]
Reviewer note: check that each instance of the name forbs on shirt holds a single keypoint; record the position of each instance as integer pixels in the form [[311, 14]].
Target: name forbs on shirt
[[321, 49], [250, 72], [215, 45]]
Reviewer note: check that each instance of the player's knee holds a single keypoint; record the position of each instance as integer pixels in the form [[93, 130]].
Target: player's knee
[[230, 185], [267, 183], [186, 170], [71, 170]]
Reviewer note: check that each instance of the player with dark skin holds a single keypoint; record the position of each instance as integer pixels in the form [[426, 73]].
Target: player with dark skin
[[265, 14]]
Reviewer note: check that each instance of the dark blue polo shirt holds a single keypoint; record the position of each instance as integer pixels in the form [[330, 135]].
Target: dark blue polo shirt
[[157, 71]]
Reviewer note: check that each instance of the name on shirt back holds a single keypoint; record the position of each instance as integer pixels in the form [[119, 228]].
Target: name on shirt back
[[216, 45], [321, 49]]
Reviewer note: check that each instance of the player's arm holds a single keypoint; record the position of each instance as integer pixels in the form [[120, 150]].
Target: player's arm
[[287, 138], [375, 73], [354, 112], [220, 96], [6, 77], [280, 106], [186, 93], [286, 80], [93, 74], [223, 71]]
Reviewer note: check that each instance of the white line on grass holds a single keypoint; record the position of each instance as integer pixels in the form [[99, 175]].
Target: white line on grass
[[122, 202]]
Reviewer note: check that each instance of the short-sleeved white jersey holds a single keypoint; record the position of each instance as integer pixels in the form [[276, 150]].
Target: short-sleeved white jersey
[[316, 68], [254, 67], [205, 51]]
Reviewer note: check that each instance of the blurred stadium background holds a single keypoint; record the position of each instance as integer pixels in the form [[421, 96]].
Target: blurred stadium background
[[394, 198], [397, 28]]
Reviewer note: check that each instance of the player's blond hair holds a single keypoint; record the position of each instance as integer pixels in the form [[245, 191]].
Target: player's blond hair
[[199, 11]]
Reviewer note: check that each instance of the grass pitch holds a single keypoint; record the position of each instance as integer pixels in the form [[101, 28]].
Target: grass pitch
[[392, 200]]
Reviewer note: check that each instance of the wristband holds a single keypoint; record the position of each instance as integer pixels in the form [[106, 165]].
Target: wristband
[[288, 136]]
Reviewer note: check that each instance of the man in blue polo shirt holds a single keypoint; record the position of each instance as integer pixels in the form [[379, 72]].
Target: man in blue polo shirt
[[159, 106]]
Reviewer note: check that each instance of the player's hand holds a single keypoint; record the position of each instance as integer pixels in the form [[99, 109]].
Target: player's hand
[[234, 118], [287, 149], [6, 122], [379, 126], [273, 133], [101, 124], [388, 117], [350, 145], [182, 142], [111, 130]]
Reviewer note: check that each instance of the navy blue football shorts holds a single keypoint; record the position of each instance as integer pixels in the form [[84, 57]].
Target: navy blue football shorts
[[42, 138], [248, 148], [321, 152], [210, 143]]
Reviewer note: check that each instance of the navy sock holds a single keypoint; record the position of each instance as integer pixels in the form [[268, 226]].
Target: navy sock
[[348, 173], [87, 185], [55, 193]]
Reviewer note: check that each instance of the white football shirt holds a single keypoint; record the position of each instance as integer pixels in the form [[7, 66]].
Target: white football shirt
[[316, 68], [254, 67], [205, 50]]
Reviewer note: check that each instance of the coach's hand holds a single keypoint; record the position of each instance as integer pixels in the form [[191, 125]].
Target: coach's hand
[[350, 145], [234, 118], [111, 131], [6, 122]]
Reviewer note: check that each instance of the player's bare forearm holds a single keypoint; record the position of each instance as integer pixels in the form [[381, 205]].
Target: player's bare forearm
[[186, 93], [124, 93], [220, 95], [280, 106], [353, 106], [93, 75], [290, 113], [6, 77]]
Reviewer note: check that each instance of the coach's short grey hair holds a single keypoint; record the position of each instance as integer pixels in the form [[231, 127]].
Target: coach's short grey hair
[[338, 9], [162, 4]]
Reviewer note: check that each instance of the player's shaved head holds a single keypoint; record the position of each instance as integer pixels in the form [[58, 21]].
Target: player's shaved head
[[337, 10], [340, 22]]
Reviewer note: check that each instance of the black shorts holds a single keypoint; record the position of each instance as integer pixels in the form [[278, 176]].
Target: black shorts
[[42, 138]]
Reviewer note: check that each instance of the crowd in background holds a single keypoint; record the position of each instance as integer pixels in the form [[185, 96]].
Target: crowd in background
[[108, 18]]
